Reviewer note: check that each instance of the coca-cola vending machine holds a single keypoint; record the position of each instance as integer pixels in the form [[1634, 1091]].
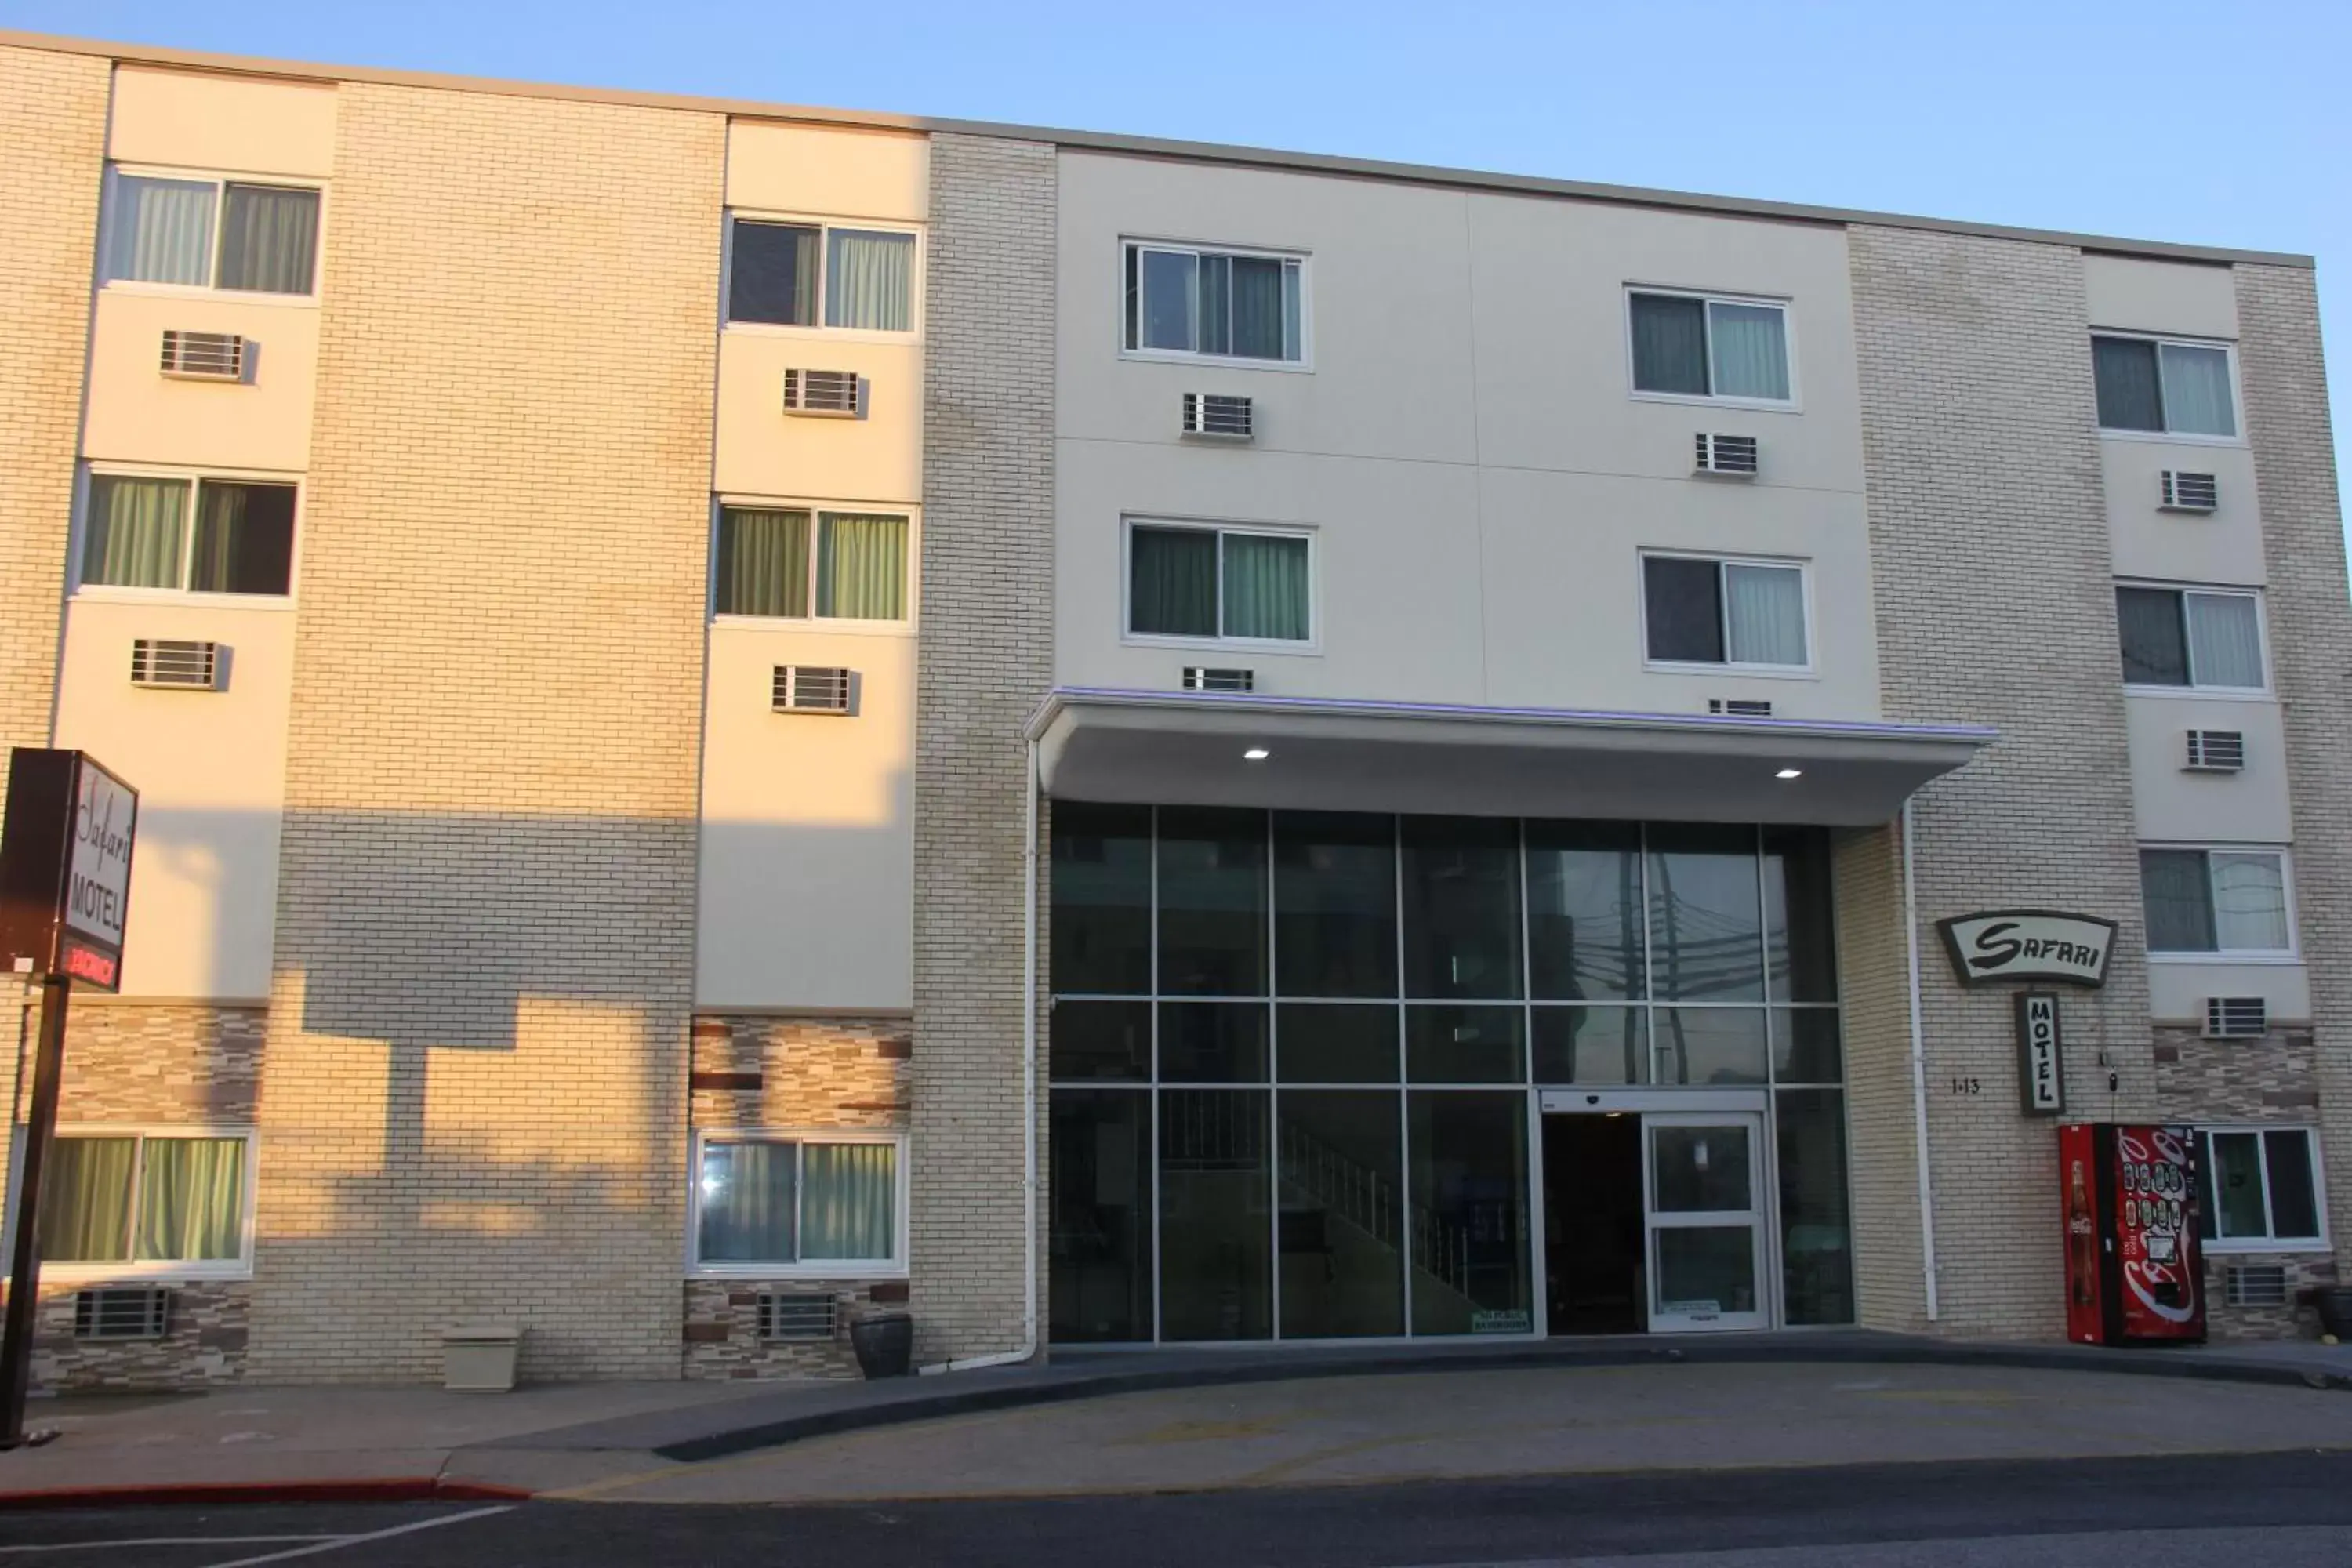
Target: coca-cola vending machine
[[2133, 1271]]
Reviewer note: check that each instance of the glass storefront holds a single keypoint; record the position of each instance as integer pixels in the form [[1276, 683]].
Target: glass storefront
[[1295, 1059]]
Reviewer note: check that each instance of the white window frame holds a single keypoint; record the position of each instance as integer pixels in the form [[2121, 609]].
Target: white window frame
[[1809, 670], [2291, 954], [2218, 1245], [1310, 644], [77, 536], [2214, 590], [1130, 243], [159, 1270], [2183, 438], [825, 227], [893, 1268], [1793, 403], [110, 211], [812, 621]]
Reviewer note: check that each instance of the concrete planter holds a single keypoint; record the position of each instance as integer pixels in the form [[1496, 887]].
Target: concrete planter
[[480, 1358], [885, 1344]]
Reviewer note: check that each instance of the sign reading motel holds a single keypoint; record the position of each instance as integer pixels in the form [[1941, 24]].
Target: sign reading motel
[[2029, 944], [65, 866]]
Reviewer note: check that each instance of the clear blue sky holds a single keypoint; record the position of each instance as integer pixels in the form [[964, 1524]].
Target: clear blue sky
[[2216, 124]]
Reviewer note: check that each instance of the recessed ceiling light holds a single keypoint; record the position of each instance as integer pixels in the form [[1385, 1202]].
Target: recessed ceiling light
[[1255, 754], [1790, 774]]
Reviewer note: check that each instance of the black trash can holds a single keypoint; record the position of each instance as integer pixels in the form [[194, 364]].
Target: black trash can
[[885, 1344], [2335, 1304]]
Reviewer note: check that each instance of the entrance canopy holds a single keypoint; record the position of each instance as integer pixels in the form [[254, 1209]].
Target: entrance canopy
[[1339, 754]]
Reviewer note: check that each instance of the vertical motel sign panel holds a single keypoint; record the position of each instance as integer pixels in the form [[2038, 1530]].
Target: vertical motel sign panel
[[2040, 1081], [65, 866]]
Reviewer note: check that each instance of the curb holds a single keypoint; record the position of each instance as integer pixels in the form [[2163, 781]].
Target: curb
[[386, 1488], [1069, 1383]]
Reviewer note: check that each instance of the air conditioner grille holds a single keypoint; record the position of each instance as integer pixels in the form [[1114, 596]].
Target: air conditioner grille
[[1204, 678], [2254, 1285], [204, 357], [830, 392], [1219, 414], [2217, 751], [2235, 1018], [811, 688], [174, 663], [2185, 492], [142, 1312], [1734, 455], [798, 1316], [1739, 707]]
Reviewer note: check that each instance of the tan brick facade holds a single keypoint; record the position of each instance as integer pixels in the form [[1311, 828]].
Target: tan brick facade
[[474, 1097], [987, 659], [1973, 625]]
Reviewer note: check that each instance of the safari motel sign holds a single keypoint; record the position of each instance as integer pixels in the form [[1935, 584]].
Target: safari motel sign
[[2029, 944], [65, 866]]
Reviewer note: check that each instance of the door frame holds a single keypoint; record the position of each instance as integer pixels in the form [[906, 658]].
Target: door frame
[[1760, 1280]]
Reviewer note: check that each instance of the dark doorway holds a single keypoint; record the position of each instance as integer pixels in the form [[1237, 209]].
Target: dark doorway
[[1592, 1223]]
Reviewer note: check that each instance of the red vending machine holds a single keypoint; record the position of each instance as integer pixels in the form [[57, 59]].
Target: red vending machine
[[2133, 1272]]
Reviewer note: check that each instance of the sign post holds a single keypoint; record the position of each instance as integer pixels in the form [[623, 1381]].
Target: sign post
[[65, 897]]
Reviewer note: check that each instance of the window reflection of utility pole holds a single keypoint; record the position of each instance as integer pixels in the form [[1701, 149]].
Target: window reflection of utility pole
[[1671, 921]]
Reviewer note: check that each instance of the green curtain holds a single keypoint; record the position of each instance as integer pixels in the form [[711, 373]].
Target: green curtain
[[747, 1203], [2197, 399], [869, 280], [1266, 587], [861, 568], [763, 559], [2123, 371], [1669, 344], [269, 238], [134, 532], [2177, 889], [160, 231], [85, 1200], [1172, 582], [1258, 325], [245, 539], [191, 1199], [848, 1200], [1750, 346]]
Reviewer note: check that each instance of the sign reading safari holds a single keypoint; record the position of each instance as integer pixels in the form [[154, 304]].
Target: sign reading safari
[[2029, 944]]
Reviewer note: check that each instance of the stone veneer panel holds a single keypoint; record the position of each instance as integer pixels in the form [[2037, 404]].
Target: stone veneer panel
[[204, 1344], [474, 1097], [1994, 594], [2285, 384], [986, 660]]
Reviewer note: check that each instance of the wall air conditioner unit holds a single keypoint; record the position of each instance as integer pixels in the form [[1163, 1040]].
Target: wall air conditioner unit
[[2254, 1285], [175, 663], [824, 393], [204, 357], [1739, 707], [798, 1315], [1733, 457], [1204, 678], [2190, 492], [2216, 752], [811, 688], [135, 1312], [2236, 1017], [1219, 417]]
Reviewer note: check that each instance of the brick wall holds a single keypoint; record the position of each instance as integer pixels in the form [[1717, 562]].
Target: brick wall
[[2285, 384], [1876, 1018], [986, 659], [1994, 592], [474, 1097]]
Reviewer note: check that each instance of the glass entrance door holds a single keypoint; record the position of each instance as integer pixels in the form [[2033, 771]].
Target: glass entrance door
[[1701, 1177]]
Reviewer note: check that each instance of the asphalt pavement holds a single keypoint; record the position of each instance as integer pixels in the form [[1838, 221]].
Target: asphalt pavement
[[2282, 1509]]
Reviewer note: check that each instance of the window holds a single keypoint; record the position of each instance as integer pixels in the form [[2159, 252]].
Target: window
[[1689, 346], [1221, 304], [800, 274], [1700, 610], [142, 532], [2162, 387], [2259, 1187], [2189, 637], [1218, 583], [2216, 900], [764, 566], [211, 234], [765, 1202], [140, 1198]]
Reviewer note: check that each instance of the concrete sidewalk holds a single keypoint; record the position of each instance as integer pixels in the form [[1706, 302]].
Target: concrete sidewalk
[[407, 1442]]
